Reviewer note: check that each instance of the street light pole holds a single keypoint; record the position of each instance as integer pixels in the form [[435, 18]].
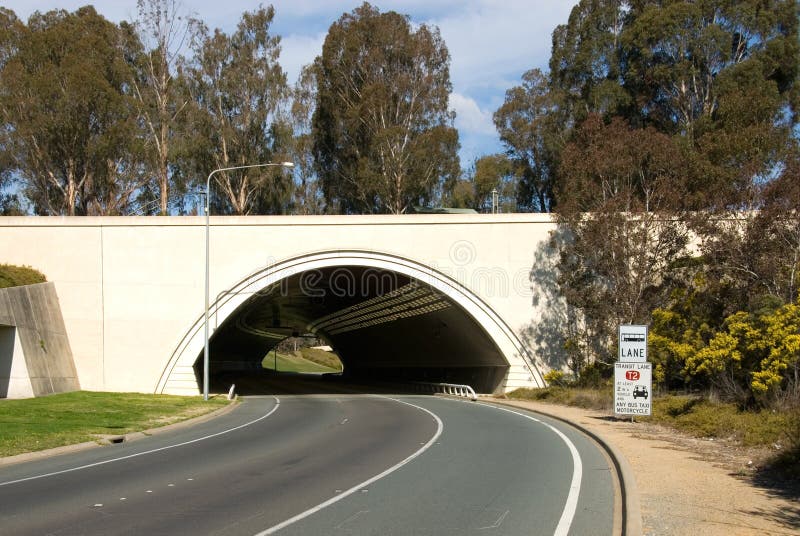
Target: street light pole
[[208, 188]]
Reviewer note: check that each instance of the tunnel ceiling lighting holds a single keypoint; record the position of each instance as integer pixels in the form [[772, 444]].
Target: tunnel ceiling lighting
[[379, 302], [437, 306], [414, 305]]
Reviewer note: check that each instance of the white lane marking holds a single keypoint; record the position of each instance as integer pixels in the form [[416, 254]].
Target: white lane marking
[[498, 522], [112, 460], [351, 518], [562, 529], [366, 483]]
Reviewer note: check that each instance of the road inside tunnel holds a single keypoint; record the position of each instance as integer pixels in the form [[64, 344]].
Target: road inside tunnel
[[383, 325]]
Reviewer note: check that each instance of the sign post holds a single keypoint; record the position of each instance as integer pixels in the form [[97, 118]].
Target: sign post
[[633, 375]]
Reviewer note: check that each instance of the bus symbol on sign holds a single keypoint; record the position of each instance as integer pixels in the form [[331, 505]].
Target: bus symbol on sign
[[632, 375]]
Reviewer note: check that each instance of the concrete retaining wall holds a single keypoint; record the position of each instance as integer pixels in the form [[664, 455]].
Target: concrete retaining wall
[[35, 355]]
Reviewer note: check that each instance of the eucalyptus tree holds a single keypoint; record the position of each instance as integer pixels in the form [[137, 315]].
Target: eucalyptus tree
[[239, 92], [308, 198], [383, 134], [620, 189], [532, 126], [722, 78], [163, 33], [67, 120]]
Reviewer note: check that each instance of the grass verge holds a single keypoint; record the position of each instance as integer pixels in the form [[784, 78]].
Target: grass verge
[[699, 417], [294, 363], [65, 419]]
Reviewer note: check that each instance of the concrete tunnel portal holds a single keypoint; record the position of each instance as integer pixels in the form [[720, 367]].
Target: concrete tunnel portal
[[385, 325]]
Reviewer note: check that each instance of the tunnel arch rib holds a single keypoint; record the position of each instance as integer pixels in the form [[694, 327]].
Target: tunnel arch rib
[[178, 376]]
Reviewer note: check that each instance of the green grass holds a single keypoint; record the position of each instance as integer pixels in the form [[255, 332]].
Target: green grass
[[14, 276], [327, 359], [693, 415], [64, 419], [702, 418], [294, 363]]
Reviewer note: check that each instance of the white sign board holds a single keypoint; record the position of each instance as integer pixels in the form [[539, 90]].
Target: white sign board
[[633, 384], [633, 344]]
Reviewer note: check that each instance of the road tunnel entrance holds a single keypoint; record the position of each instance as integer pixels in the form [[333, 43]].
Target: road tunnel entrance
[[387, 317], [383, 325]]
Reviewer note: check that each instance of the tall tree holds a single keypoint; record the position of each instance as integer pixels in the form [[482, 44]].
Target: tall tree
[[67, 121], [624, 232], [308, 198], [11, 32], [585, 63], [721, 76], [489, 175], [165, 33], [383, 134], [533, 129], [239, 89]]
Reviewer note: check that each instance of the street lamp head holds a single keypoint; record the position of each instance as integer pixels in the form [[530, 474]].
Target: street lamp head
[[287, 164]]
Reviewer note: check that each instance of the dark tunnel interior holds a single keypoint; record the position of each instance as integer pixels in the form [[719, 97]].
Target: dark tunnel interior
[[384, 326]]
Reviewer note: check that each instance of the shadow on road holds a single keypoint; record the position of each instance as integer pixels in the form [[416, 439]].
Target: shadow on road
[[268, 382]]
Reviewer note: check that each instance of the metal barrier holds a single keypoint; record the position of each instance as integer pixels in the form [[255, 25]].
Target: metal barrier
[[446, 388]]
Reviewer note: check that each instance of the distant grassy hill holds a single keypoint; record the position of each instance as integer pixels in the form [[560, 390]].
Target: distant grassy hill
[[16, 276], [304, 360], [326, 359]]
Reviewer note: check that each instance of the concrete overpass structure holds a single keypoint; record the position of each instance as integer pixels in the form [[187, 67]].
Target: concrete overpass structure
[[415, 297]]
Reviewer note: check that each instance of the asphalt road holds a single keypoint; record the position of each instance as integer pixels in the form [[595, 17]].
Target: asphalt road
[[339, 464]]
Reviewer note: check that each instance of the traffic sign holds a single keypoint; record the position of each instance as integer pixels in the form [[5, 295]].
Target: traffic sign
[[633, 344], [633, 383]]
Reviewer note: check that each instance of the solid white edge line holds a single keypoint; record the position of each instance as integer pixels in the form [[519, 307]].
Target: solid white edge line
[[104, 462], [571, 505], [375, 478]]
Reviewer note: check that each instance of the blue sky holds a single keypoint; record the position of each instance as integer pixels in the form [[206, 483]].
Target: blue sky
[[491, 43]]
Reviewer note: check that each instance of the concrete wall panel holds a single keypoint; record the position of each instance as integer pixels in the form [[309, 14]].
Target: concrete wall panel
[[41, 356], [131, 288]]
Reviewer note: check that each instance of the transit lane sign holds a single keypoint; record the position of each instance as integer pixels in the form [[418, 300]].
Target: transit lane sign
[[633, 384], [633, 343]]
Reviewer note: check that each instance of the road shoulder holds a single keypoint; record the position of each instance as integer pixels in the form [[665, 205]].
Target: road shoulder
[[680, 492]]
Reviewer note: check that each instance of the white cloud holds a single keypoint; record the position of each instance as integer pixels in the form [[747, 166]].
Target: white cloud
[[298, 51], [469, 116], [493, 43]]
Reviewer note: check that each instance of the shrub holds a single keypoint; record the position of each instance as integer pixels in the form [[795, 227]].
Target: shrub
[[555, 377], [16, 276]]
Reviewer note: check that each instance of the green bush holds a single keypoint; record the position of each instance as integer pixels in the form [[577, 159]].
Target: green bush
[[16, 276], [555, 378], [703, 418]]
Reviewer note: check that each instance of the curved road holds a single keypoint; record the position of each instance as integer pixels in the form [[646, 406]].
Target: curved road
[[339, 464]]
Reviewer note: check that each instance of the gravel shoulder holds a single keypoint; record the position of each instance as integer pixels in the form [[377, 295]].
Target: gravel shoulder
[[688, 485]]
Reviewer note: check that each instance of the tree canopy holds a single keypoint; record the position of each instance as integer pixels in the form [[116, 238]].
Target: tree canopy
[[67, 118], [383, 134]]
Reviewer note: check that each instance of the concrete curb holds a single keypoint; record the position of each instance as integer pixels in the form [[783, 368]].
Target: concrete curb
[[631, 507], [110, 440]]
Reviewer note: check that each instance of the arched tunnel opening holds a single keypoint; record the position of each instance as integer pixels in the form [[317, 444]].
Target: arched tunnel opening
[[384, 326]]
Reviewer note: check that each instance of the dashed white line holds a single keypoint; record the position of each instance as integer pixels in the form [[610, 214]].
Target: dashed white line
[[362, 486]]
